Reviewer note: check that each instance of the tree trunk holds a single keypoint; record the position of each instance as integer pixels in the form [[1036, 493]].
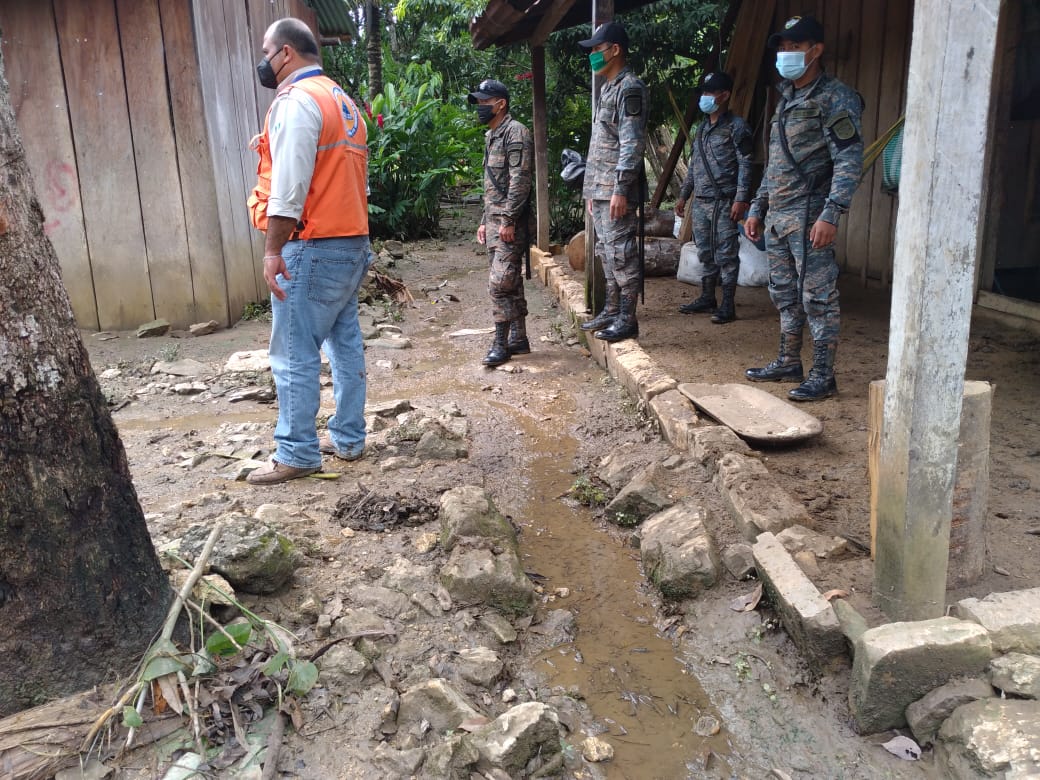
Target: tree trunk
[[81, 590], [373, 48]]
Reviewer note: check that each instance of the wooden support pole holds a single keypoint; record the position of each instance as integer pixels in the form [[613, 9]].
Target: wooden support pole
[[937, 243], [541, 146]]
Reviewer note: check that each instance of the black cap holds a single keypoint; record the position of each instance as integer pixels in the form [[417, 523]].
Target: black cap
[[798, 28], [608, 32], [716, 82], [488, 88]]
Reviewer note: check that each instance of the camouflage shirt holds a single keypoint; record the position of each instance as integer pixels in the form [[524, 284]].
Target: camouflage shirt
[[508, 172], [726, 146], [615, 159], [822, 122]]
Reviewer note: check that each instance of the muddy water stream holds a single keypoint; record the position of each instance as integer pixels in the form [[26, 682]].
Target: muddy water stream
[[619, 663]]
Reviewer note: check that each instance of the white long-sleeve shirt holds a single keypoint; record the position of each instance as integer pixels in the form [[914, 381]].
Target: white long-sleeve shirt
[[294, 126]]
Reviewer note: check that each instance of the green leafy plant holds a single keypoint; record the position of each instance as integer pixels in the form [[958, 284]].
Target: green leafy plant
[[169, 352], [257, 310], [587, 493]]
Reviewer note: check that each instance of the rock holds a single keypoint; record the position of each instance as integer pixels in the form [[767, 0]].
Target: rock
[[1016, 674], [676, 416], [480, 576], [248, 360], [397, 763], [479, 665], [436, 702], [426, 541], [927, 714], [154, 328], [110, 373], [186, 367], [452, 759], [739, 560], [385, 602], [427, 603], [576, 251], [798, 538], [399, 462], [707, 726], [395, 248], [806, 561], [343, 668], [499, 627], [642, 497], [356, 621], [516, 736], [434, 445], [203, 328], [323, 626], [897, 663], [806, 615], [251, 555], [209, 590], [595, 750], [710, 443], [558, 626], [277, 515], [755, 502], [389, 342], [1011, 618], [389, 408], [467, 512], [189, 388], [679, 556], [990, 738], [407, 577], [618, 468]]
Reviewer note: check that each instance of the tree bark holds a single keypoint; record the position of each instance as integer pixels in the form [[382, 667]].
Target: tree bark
[[373, 48], [81, 590]]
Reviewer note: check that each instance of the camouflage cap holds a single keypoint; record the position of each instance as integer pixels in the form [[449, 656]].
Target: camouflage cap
[[798, 28]]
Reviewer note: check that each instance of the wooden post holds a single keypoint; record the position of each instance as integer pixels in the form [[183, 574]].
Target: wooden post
[[541, 146], [937, 243]]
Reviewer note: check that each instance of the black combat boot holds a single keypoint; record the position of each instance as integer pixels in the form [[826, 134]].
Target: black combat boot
[[788, 365], [518, 343], [707, 300], [625, 325], [820, 383], [499, 352], [608, 313], [727, 312]]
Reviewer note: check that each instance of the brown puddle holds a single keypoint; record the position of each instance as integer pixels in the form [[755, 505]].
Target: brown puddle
[[624, 669]]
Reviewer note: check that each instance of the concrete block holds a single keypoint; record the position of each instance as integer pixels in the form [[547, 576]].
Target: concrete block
[[990, 738], [755, 502], [679, 556], [544, 269], [676, 417], [1016, 674], [710, 443], [739, 560], [598, 348], [898, 663], [798, 539], [927, 714], [639, 374], [1012, 619], [806, 615]]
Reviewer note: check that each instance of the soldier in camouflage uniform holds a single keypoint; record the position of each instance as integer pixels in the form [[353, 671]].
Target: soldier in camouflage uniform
[[815, 161], [613, 179], [719, 178], [505, 226]]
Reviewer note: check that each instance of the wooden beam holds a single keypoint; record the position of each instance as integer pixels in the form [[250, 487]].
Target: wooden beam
[[541, 146], [937, 245], [548, 22]]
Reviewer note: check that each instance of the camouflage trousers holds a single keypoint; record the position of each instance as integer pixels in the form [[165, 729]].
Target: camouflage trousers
[[715, 235], [617, 242], [506, 279], [803, 285]]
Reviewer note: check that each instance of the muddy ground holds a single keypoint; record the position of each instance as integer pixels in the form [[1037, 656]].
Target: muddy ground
[[645, 673]]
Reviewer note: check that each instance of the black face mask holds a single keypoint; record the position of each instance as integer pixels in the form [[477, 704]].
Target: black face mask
[[485, 114], [266, 74]]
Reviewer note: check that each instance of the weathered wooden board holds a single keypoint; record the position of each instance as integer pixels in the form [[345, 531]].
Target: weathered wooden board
[[155, 153], [753, 414], [92, 62], [194, 163], [33, 69]]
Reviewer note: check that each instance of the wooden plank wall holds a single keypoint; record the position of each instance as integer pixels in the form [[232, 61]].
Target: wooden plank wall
[[868, 47]]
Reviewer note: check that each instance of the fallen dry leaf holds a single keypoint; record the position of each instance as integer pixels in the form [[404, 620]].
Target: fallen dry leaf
[[748, 601], [837, 593]]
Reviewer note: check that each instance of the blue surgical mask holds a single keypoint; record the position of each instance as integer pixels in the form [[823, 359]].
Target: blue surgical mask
[[708, 105], [791, 64]]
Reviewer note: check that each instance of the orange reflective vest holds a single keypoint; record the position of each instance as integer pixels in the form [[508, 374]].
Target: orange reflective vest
[[336, 203]]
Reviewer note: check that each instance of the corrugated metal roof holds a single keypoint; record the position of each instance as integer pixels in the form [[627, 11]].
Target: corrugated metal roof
[[504, 22], [334, 17]]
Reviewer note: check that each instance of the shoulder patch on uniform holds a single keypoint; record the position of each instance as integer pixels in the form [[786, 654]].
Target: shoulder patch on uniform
[[515, 155], [633, 102], [842, 126]]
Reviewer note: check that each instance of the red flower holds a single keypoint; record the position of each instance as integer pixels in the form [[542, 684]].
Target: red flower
[[524, 76], [368, 109], [379, 121]]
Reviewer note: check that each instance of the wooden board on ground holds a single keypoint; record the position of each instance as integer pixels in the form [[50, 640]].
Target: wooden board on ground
[[753, 414]]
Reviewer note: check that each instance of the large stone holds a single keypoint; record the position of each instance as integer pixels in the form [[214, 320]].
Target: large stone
[[406, 577], [467, 512], [436, 445], [898, 663], [646, 494], [638, 373], [343, 668], [499, 627], [676, 417], [798, 538], [390, 408], [250, 555], [482, 577], [679, 555], [356, 622], [619, 466], [248, 360], [397, 763], [927, 714], [807, 616], [709, 443], [1011, 618], [479, 665], [453, 758], [1016, 674], [755, 502], [576, 251], [518, 735], [204, 328], [154, 328], [185, 367], [436, 702], [991, 738], [739, 560]]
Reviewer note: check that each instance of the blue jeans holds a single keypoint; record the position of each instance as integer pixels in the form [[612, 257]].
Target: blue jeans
[[320, 308]]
